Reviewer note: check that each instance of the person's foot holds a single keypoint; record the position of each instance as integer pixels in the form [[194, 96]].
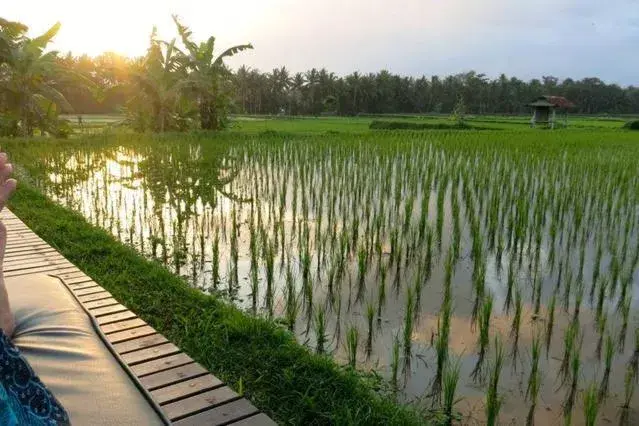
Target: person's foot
[[7, 186]]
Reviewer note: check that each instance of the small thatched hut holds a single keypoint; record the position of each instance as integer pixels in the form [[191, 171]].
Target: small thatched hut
[[545, 110]]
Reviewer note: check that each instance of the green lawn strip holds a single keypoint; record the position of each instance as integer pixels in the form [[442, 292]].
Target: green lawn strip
[[277, 374]]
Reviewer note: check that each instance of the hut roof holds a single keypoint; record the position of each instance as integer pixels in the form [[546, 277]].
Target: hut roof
[[552, 101]]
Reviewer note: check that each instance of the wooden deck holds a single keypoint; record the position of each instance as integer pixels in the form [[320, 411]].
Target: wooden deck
[[186, 392]]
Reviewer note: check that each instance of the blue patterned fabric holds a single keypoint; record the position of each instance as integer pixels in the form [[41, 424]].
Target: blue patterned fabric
[[24, 400]]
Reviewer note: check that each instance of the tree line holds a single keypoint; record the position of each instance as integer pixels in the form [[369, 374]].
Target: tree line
[[319, 91], [180, 84], [172, 87]]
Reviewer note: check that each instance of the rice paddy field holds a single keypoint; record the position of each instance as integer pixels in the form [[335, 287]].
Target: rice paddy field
[[489, 274]]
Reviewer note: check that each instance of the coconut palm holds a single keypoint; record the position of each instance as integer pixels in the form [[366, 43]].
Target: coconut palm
[[207, 75]]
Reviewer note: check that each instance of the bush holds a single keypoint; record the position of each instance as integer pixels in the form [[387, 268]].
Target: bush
[[632, 125], [406, 125]]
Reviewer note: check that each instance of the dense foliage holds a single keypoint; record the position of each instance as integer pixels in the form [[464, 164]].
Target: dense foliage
[[167, 89]]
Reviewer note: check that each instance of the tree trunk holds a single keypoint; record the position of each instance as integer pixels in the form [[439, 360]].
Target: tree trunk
[[208, 114]]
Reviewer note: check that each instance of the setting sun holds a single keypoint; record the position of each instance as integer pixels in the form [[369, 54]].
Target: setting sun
[[124, 26]]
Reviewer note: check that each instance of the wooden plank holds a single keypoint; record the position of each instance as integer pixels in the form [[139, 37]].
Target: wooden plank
[[17, 253], [30, 264], [194, 404], [76, 287], [260, 419], [72, 276], [139, 343], [173, 375], [108, 319], [185, 389], [132, 333], [107, 310], [31, 256], [100, 303], [40, 248], [149, 354], [143, 369], [95, 296], [222, 415], [88, 290], [122, 325], [40, 270], [78, 280]]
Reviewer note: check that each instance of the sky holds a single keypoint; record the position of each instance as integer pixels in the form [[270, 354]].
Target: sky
[[527, 39]]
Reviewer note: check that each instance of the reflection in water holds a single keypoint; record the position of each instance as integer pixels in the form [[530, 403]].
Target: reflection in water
[[291, 229]]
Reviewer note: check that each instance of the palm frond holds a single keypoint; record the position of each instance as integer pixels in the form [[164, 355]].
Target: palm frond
[[230, 52]]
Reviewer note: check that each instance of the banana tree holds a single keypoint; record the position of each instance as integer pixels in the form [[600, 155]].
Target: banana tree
[[207, 77], [156, 102], [30, 79]]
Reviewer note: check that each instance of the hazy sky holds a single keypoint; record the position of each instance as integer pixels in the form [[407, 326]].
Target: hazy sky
[[565, 38]]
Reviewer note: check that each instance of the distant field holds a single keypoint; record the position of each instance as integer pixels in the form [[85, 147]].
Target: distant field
[[244, 123]]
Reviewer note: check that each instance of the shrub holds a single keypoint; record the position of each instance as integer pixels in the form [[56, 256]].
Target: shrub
[[632, 125]]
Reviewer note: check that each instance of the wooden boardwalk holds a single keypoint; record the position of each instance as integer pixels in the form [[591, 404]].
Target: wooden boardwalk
[[186, 392]]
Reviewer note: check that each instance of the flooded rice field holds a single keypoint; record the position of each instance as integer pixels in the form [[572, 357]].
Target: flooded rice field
[[504, 273]]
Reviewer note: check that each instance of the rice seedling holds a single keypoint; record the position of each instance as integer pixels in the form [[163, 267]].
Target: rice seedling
[[510, 285], [633, 363], [395, 363], [292, 302], [484, 336], [625, 316], [591, 405], [320, 331], [270, 271], [550, 323], [569, 403], [441, 344], [494, 401], [601, 328], [362, 266], [370, 316], [381, 294], [629, 389], [352, 341], [609, 353], [516, 327], [533, 378], [578, 300], [449, 391], [570, 338], [596, 271], [408, 327]]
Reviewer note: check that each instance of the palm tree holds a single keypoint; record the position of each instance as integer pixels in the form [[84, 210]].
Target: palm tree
[[30, 79], [206, 75]]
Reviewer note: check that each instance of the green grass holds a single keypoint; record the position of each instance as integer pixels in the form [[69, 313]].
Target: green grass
[[279, 376]]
